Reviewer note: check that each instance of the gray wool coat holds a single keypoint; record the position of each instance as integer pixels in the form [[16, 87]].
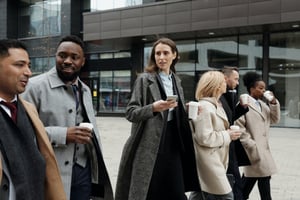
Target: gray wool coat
[[140, 151], [55, 104]]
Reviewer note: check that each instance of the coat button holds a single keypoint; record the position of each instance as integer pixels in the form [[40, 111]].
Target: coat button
[[5, 187], [70, 110], [66, 162]]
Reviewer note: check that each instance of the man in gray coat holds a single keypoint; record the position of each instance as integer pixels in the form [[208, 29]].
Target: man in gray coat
[[63, 102]]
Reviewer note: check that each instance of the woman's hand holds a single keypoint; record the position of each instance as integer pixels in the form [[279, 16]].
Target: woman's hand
[[161, 105], [234, 134]]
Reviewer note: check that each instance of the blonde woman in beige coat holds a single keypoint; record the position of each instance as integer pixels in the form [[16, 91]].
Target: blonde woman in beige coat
[[255, 126], [212, 136]]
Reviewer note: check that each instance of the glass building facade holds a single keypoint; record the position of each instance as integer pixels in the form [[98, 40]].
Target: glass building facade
[[117, 49], [39, 18], [246, 52]]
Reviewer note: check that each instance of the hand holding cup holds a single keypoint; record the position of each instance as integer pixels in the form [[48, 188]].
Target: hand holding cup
[[269, 95], [87, 125], [244, 100], [193, 108], [234, 132]]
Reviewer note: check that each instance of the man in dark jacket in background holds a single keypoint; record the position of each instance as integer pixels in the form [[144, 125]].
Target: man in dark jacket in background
[[234, 111]]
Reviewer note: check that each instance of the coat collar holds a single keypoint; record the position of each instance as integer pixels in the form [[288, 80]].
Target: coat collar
[[56, 82], [219, 109], [254, 107], [156, 86]]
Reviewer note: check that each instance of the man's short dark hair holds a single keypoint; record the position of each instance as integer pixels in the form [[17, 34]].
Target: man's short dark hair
[[7, 44], [72, 38]]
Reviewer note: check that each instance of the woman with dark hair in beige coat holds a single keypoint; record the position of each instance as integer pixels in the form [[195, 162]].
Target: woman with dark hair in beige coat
[[255, 126], [212, 137]]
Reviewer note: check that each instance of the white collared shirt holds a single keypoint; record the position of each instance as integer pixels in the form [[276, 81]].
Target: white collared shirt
[[168, 86], [256, 102], [6, 109]]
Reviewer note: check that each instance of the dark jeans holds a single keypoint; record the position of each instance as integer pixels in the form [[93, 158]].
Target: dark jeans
[[81, 182], [263, 187]]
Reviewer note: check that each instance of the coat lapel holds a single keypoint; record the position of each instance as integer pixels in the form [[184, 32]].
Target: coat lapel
[[222, 114], [155, 87], [219, 110], [0, 167], [256, 109], [54, 186], [263, 109]]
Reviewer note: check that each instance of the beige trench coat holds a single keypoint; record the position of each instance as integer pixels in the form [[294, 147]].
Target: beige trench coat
[[255, 126], [211, 142]]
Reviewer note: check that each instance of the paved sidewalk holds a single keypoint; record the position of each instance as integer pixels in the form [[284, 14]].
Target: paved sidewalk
[[285, 145]]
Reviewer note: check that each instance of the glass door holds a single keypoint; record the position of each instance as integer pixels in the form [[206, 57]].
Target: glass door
[[114, 91]]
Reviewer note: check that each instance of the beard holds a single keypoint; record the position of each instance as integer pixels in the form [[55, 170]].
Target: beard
[[67, 77]]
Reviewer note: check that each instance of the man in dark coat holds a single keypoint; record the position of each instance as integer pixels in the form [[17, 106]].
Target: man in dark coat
[[233, 111]]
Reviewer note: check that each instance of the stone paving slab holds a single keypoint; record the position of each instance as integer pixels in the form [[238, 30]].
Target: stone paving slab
[[284, 142]]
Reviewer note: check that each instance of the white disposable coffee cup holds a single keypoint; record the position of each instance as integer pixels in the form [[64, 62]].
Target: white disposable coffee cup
[[244, 99], [193, 109], [87, 125], [268, 95], [234, 127]]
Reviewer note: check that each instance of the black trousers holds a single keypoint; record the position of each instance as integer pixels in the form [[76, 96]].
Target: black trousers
[[263, 187], [81, 182], [167, 180], [233, 169]]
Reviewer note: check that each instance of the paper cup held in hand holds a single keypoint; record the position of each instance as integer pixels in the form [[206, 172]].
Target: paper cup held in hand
[[234, 127], [193, 109], [244, 99], [268, 95], [87, 125]]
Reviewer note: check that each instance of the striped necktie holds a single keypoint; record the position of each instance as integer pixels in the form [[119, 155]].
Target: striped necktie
[[76, 95]]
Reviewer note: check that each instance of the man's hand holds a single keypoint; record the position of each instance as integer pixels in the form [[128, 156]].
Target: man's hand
[[78, 134]]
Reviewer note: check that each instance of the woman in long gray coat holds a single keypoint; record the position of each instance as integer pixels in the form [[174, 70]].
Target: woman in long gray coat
[[158, 159], [255, 125]]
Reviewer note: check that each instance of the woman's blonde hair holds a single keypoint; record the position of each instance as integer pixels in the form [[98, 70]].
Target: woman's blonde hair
[[209, 84]]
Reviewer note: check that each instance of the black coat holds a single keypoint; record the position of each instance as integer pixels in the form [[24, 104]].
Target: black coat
[[234, 111]]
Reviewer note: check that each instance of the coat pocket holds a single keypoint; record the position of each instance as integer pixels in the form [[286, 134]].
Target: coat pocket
[[253, 154]]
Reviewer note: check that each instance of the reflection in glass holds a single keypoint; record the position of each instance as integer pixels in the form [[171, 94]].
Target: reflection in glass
[[284, 75], [188, 56], [40, 18], [123, 54], [250, 57], [106, 55], [112, 4], [40, 65], [187, 82], [250, 52], [214, 53], [114, 90]]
